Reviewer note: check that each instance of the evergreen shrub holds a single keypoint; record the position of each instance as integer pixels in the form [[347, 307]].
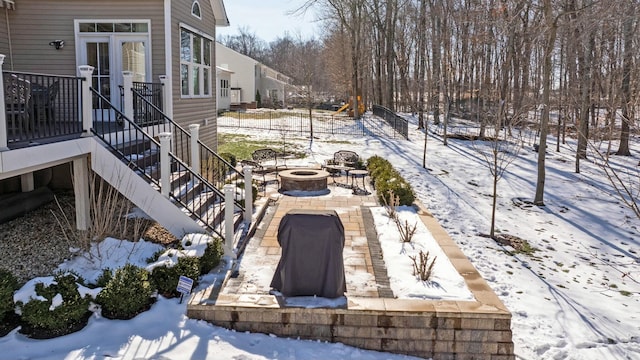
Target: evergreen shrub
[[211, 257], [387, 180], [166, 278], [60, 309], [126, 294], [8, 285]]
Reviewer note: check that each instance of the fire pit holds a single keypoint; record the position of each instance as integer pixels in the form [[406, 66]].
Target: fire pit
[[303, 180]]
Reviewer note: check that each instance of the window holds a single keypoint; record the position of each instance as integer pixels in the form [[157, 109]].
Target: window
[[195, 64], [195, 9], [110, 27], [224, 88]]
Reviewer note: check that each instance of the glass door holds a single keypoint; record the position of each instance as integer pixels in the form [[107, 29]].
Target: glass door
[[110, 55], [96, 52]]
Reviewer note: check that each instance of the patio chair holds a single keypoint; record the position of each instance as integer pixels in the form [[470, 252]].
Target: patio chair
[[268, 159], [261, 176], [17, 97], [341, 158]]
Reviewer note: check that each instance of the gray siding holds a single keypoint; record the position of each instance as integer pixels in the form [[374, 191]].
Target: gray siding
[[35, 23], [197, 110]]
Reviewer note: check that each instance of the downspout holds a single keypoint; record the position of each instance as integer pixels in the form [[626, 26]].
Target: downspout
[[168, 54]]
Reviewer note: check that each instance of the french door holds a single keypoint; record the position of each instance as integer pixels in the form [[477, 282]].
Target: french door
[[110, 55]]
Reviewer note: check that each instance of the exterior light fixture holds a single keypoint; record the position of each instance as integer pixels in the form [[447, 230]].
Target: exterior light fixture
[[59, 44]]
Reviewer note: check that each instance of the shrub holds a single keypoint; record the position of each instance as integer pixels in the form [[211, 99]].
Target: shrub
[[230, 158], [386, 179], [240, 186], [8, 285], [423, 265], [126, 294], [104, 278], [59, 310], [212, 255], [166, 278]]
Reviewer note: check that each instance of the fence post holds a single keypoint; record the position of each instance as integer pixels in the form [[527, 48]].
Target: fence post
[[87, 99], [248, 194], [195, 149], [3, 115], [229, 195], [165, 166], [127, 85]]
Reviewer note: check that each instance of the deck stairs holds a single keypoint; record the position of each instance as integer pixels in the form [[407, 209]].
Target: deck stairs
[[129, 159]]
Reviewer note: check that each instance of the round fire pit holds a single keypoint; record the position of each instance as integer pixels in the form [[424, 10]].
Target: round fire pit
[[303, 180]]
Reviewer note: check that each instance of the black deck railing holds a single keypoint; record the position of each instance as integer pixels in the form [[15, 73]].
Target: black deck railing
[[399, 124], [41, 108], [145, 95], [213, 167], [131, 141]]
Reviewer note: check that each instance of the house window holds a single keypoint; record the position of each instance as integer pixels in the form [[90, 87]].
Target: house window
[[195, 64], [111, 27], [195, 9], [224, 88]]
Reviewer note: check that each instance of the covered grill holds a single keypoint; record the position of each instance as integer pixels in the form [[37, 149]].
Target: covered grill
[[311, 264]]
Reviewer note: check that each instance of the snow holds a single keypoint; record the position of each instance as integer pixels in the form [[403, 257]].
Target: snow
[[576, 297], [445, 283]]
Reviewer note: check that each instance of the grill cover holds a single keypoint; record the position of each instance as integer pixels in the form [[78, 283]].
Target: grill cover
[[311, 264]]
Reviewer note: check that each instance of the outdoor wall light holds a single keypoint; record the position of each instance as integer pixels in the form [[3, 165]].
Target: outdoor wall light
[[59, 44]]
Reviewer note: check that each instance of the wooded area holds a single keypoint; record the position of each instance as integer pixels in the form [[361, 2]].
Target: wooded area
[[564, 66]]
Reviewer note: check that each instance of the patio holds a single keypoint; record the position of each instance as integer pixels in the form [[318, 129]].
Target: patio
[[368, 316]]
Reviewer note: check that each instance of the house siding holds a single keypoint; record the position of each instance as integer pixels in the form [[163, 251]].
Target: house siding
[[54, 19], [188, 111], [244, 71]]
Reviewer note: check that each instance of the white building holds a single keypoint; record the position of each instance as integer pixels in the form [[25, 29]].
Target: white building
[[252, 84]]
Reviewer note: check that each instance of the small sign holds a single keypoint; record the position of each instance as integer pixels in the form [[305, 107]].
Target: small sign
[[184, 285]]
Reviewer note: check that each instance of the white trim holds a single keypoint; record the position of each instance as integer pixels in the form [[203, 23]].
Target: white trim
[[196, 31], [196, 2], [168, 57]]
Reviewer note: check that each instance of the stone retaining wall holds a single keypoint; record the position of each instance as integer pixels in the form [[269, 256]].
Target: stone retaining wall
[[429, 329]]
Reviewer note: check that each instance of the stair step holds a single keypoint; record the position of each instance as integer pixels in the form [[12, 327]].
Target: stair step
[[135, 146]]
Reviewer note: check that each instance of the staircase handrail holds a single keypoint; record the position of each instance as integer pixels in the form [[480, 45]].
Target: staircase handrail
[[233, 172], [135, 129]]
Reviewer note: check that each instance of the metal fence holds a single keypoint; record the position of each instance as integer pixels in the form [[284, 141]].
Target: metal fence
[[397, 122], [298, 123], [292, 122]]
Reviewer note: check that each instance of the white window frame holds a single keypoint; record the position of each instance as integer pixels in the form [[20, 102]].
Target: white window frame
[[193, 9], [204, 87]]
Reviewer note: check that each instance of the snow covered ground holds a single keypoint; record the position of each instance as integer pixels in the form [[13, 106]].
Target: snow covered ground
[[576, 297]]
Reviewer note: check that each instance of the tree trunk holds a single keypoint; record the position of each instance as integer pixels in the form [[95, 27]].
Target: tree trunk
[[546, 103], [627, 106]]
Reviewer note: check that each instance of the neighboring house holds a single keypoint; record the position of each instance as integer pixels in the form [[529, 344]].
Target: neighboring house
[[125, 88], [223, 90], [253, 84]]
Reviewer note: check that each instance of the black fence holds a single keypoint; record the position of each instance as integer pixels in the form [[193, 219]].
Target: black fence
[[39, 108], [290, 122], [147, 103], [398, 123]]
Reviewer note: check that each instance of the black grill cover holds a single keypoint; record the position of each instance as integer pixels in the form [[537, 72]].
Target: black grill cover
[[311, 264]]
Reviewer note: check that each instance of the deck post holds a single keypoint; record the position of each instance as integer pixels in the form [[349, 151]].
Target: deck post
[[165, 165], [195, 149], [3, 114], [248, 194], [167, 105], [86, 72], [81, 192], [229, 194], [127, 85]]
